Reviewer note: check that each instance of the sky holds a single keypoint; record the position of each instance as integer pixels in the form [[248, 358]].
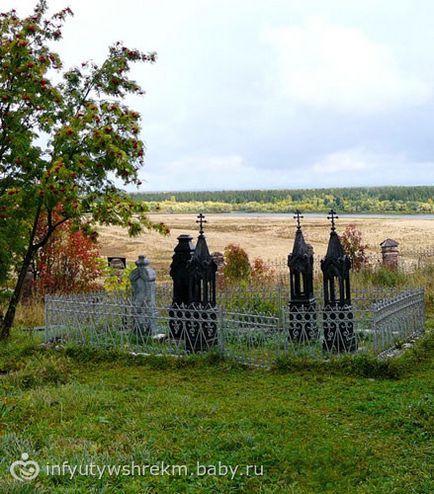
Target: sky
[[271, 93]]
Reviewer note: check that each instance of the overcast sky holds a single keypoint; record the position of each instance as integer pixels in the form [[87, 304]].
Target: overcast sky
[[272, 93]]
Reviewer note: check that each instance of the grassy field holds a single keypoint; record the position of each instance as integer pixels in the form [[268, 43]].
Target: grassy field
[[344, 425], [354, 426]]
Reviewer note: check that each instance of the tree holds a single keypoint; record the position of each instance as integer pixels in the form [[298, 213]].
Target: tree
[[68, 263], [62, 144]]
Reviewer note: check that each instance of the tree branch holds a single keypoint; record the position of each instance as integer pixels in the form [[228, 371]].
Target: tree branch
[[47, 236]]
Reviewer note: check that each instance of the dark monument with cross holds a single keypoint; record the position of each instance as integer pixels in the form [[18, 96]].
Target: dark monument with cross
[[178, 270], [202, 271], [338, 317], [193, 317], [302, 306]]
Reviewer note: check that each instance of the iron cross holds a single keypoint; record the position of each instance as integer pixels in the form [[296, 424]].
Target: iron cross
[[333, 216], [201, 220], [298, 216]]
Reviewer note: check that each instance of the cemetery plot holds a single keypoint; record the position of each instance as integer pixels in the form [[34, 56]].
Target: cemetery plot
[[111, 320], [193, 315]]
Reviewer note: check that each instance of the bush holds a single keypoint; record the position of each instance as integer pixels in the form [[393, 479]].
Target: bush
[[385, 277], [237, 266], [352, 242], [115, 279], [261, 273]]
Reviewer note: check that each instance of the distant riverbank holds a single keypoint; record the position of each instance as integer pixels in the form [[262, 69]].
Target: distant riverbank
[[347, 216], [399, 201]]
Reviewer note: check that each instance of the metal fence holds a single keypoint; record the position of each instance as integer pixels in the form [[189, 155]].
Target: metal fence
[[398, 318], [408, 262], [419, 252], [414, 259], [373, 323]]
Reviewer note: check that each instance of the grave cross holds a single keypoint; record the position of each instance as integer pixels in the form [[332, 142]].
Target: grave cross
[[201, 220], [333, 216], [298, 216]]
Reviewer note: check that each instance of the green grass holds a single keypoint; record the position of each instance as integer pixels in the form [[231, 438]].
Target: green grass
[[339, 426]]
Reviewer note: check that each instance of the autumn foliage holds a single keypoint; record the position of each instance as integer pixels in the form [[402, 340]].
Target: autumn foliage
[[261, 272], [68, 263], [237, 267], [354, 246]]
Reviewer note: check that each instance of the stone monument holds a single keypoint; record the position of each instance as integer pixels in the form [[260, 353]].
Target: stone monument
[[142, 280]]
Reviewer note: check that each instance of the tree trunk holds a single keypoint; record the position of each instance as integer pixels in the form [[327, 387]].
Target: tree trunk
[[8, 319]]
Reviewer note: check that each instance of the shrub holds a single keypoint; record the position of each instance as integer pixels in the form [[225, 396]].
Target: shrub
[[354, 247], [237, 266], [261, 273], [114, 279], [386, 277]]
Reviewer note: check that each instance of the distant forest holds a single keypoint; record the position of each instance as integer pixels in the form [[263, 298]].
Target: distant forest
[[411, 200]]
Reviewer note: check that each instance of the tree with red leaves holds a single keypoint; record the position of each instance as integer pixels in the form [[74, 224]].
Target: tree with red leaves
[[64, 137], [68, 263], [354, 246]]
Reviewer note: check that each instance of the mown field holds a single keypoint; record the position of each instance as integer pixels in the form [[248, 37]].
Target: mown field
[[269, 237], [349, 426]]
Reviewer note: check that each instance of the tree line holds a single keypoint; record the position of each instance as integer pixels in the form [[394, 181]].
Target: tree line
[[390, 199]]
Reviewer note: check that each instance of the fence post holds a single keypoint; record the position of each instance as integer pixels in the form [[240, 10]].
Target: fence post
[[46, 320], [421, 311], [375, 310], [284, 324], [220, 332]]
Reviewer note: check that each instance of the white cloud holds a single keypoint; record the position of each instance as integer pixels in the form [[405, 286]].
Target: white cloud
[[343, 161], [361, 167], [211, 119], [327, 65], [344, 168], [213, 172]]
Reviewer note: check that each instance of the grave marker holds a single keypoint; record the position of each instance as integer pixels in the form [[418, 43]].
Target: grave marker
[[302, 305], [338, 324]]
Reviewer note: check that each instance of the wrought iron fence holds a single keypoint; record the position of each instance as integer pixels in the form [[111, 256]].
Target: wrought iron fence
[[398, 318], [251, 338], [254, 297], [374, 322], [421, 252], [418, 258], [111, 320], [408, 262]]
